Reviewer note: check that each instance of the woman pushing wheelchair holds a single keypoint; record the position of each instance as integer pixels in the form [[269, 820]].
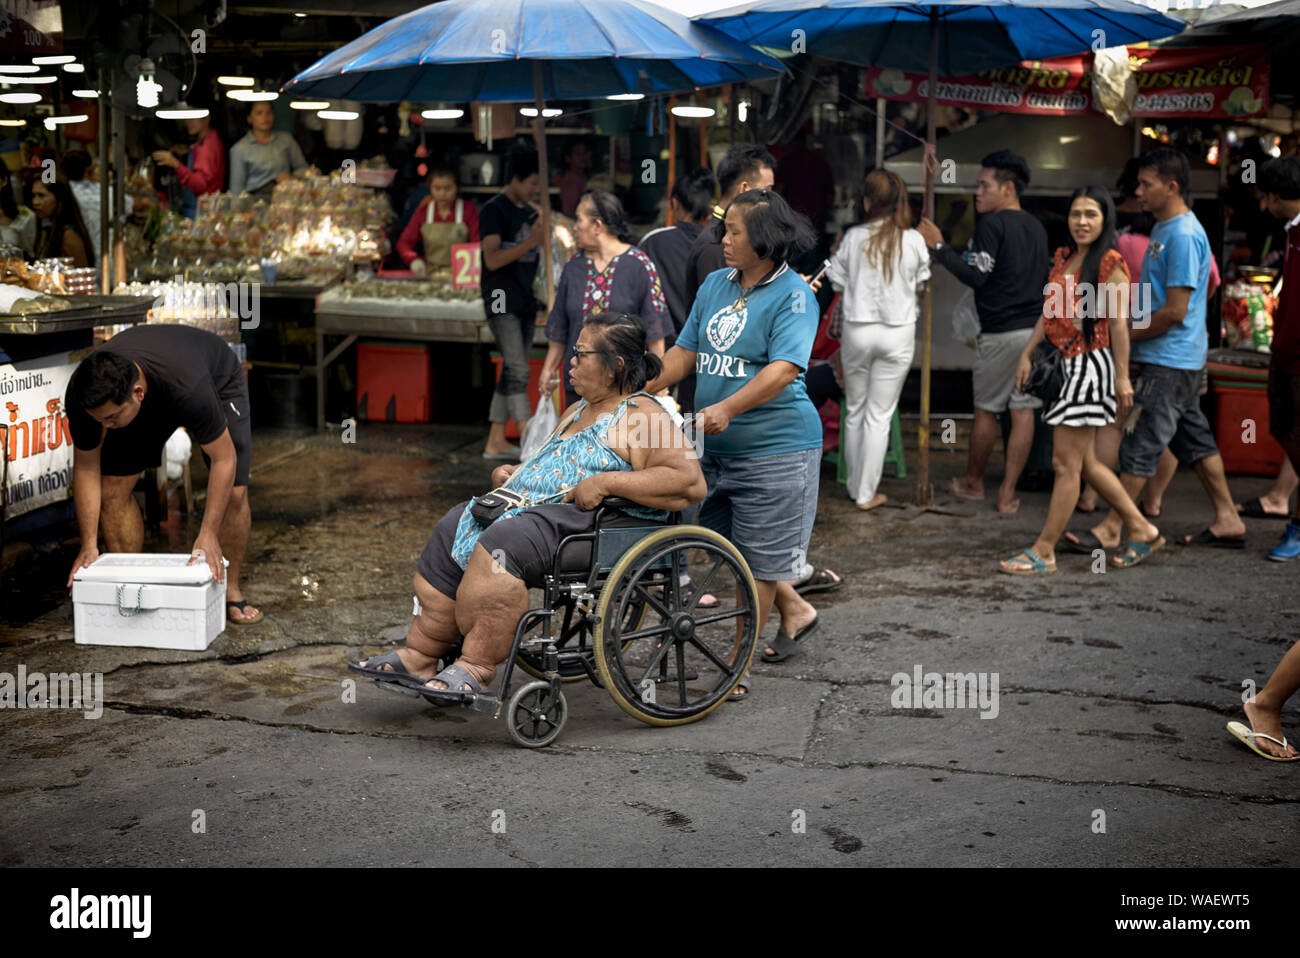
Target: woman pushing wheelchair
[[472, 578]]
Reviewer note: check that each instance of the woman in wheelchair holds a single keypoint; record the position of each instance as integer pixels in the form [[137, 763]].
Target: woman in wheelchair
[[472, 580]]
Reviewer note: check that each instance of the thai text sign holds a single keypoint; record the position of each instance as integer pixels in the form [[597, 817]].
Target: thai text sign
[[1218, 82], [35, 436]]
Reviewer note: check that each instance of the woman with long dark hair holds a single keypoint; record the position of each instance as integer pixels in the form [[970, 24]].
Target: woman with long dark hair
[[1085, 316], [62, 231], [607, 274], [881, 266]]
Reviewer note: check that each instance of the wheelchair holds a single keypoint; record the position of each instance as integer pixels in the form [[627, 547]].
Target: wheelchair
[[613, 612]]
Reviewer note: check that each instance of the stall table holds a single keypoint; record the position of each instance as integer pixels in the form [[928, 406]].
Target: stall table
[[436, 321]]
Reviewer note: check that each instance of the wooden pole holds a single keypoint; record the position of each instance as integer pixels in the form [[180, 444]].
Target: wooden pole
[[539, 136], [923, 496], [107, 174], [672, 156]]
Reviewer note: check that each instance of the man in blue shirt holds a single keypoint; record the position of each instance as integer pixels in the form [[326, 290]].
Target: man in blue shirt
[[1168, 354]]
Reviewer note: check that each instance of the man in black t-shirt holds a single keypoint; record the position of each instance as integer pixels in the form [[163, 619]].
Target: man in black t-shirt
[[124, 401], [1006, 263], [507, 223]]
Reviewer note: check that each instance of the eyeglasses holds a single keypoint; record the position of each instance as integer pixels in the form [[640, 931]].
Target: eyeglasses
[[587, 352]]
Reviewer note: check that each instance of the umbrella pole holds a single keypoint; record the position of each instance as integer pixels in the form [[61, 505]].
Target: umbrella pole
[[923, 492], [539, 136]]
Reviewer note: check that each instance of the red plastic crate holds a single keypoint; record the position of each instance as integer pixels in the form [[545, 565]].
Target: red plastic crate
[[1235, 405], [394, 382], [534, 385]]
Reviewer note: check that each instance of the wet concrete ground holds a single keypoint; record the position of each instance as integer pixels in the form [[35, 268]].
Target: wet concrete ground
[[1114, 690]]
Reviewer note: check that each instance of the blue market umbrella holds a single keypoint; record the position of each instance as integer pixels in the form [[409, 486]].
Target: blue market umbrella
[[462, 50], [515, 50], [972, 35], [955, 36]]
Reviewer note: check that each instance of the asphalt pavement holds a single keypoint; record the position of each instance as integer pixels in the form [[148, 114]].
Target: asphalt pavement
[[1104, 745]]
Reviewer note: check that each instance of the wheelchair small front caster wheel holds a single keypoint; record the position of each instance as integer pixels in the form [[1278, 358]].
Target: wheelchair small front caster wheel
[[535, 714]]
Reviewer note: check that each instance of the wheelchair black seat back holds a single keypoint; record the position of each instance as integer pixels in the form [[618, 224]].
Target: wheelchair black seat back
[[614, 610]]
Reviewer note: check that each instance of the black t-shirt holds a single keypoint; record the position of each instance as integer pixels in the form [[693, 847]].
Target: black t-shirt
[[513, 224], [190, 377], [705, 257], [1007, 264], [669, 249]]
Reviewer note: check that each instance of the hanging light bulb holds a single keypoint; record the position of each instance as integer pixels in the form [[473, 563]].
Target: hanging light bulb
[[146, 90]]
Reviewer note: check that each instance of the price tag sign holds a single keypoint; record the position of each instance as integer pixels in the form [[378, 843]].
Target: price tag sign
[[466, 266]]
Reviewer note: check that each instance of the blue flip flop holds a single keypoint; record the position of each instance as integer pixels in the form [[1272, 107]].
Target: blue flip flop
[[1141, 551], [1027, 562]]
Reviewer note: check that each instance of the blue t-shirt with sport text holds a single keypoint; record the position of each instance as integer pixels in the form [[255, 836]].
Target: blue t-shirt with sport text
[[1179, 255], [734, 338]]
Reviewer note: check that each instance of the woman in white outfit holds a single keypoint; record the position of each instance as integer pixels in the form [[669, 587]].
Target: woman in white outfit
[[880, 266]]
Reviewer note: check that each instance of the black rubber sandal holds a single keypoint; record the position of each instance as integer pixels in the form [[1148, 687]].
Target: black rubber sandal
[[785, 646]]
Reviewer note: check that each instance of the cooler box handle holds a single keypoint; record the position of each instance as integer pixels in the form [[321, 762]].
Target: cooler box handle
[[139, 600]]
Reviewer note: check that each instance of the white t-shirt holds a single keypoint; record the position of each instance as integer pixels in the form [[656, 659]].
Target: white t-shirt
[[867, 297]]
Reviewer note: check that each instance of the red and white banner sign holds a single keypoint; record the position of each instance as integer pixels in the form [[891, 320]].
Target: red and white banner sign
[[1210, 82]]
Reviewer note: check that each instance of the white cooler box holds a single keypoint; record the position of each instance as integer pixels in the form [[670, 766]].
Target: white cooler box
[[148, 601]]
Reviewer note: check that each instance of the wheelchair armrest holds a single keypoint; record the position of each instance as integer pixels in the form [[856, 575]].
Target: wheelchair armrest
[[615, 502]]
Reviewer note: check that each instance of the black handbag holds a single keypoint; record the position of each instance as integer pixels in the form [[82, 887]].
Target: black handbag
[[1047, 370], [489, 507]]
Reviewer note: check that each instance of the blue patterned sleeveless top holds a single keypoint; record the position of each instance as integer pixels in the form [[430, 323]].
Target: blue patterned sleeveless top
[[555, 468]]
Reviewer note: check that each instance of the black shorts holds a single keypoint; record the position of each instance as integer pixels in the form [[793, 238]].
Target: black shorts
[[130, 451], [524, 544], [1283, 404]]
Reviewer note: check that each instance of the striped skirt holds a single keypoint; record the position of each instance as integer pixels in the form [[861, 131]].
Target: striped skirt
[[1088, 396]]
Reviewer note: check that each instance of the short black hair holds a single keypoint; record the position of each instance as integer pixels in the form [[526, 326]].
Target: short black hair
[[1169, 165], [103, 376], [76, 163], [624, 354], [441, 172], [694, 193], [1281, 177], [1008, 167], [742, 162], [775, 231], [521, 164]]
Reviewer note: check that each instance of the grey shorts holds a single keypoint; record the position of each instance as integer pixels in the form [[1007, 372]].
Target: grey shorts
[[1171, 416], [766, 506], [994, 372]]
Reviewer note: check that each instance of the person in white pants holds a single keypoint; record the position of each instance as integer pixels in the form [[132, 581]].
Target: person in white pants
[[880, 266]]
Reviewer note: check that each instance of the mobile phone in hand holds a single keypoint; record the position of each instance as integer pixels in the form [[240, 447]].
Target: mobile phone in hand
[[826, 264]]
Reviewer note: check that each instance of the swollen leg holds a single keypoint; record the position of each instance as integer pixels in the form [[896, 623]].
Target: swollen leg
[[432, 633], [489, 605]]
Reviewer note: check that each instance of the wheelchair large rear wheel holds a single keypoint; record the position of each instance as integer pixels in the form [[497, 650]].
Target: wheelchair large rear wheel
[[680, 662]]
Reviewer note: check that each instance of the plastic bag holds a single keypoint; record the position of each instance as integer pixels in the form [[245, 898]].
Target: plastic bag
[[539, 427], [965, 319]]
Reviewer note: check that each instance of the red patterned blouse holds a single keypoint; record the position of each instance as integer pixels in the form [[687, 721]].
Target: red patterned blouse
[[1062, 296]]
